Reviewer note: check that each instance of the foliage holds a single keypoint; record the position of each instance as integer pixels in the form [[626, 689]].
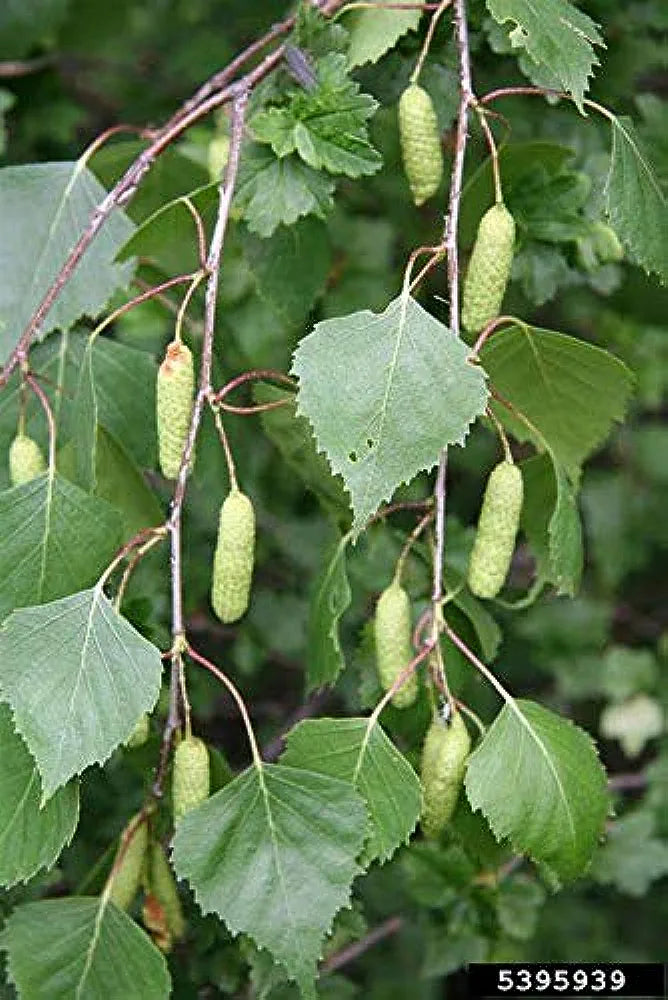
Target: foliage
[[331, 385]]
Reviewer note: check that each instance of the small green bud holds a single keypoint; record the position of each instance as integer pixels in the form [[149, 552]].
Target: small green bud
[[420, 143], [392, 631], [234, 556], [444, 754], [489, 268], [497, 528]]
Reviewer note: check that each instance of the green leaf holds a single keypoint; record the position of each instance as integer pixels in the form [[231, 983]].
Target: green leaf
[[50, 205], [56, 540], [326, 126], [119, 482], [278, 265], [124, 380], [273, 853], [375, 31], [346, 749], [633, 857], [572, 392], [271, 192], [30, 837], [556, 35], [77, 676], [373, 388], [293, 437], [537, 779], [551, 523], [331, 597], [62, 949], [634, 201]]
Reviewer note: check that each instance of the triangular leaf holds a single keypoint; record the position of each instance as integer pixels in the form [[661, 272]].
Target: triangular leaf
[[55, 540], [273, 853], [331, 596], [385, 393], [344, 748], [635, 203], [537, 779], [62, 949], [556, 35], [30, 838], [572, 392], [77, 676], [50, 205]]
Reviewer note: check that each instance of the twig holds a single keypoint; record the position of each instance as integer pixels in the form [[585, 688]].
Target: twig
[[241, 705], [627, 782], [12, 68], [488, 330], [395, 508], [207, 99], [415, 75], [425, 520], [352, 951], [450, 242], [226, 191], [46, 406], [265, 374]]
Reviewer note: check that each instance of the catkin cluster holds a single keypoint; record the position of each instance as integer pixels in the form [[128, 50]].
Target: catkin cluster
[[190, 776], [444, 754], [420, 143], [392, 633], [234, 556], [26, 461], [489, 268], [174, 402], [497, 528]]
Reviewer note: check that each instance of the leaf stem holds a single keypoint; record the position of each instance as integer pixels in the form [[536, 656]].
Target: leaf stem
[[415, 75], [241, 705], [410, 541]]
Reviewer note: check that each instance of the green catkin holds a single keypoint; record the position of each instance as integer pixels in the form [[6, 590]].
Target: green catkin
[[26, 461], [159, 881], [489, 268], [392, 632], [139, 734], [497, 527], [174, 402], [125, 880], [446, 748], [233, 559], [190, 776], [420, 143]]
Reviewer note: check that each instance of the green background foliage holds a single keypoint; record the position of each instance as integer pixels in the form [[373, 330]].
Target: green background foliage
[[322, 233]]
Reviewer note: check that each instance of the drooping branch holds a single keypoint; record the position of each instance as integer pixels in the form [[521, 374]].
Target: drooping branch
[[213, 94]]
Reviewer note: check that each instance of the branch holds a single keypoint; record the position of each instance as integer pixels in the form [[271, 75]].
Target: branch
[[389, 927], [226, 191], [450, 242], [207, 99]]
